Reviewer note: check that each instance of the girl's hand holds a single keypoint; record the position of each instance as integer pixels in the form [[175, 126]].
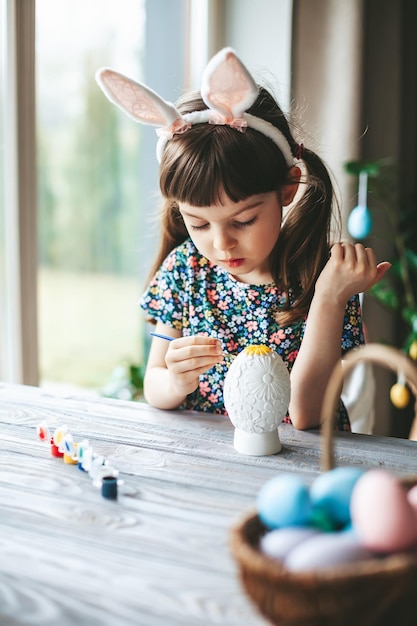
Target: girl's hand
[[188, 357], [351, 269]]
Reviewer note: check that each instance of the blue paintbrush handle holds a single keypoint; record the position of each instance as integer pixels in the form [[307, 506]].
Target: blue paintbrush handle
[[166, 337]]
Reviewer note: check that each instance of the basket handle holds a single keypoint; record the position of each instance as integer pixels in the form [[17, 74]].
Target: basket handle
[[375, 353]]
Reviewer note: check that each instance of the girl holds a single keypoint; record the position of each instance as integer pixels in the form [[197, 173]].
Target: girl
[[243, 259]]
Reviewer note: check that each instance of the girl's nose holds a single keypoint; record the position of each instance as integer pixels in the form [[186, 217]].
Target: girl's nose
[[223, 240]]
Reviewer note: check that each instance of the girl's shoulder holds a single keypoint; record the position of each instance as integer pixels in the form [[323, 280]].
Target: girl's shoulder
[[187, 249], [186, 255], [182, 252]]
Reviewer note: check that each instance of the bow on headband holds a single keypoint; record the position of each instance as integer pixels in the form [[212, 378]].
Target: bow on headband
[[227, 89]]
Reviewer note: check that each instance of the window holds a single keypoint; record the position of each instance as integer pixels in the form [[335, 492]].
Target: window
[[78, 180], [88, 191], [96, 183]]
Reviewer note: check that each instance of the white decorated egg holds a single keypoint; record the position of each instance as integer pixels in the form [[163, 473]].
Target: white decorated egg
[[256, 397]]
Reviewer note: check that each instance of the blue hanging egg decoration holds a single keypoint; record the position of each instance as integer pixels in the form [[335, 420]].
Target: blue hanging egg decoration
[[360, 219], [360, 222]]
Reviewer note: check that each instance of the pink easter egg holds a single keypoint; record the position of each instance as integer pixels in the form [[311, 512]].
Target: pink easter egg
[[381, 513], [412, 498]]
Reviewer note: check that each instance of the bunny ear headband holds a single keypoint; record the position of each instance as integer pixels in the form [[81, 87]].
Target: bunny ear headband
[[227, 89]]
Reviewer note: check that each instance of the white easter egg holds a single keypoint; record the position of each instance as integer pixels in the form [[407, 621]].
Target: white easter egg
[[256, 397], [278, 543], [326, 550]]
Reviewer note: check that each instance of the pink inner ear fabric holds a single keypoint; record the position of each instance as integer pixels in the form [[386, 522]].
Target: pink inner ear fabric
[[229, 88], [137, 101]]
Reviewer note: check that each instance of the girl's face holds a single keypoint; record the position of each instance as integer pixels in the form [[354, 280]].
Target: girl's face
[[237, 236]]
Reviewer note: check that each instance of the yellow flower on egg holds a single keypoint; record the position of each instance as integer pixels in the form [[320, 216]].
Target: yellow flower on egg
[[257, 350]]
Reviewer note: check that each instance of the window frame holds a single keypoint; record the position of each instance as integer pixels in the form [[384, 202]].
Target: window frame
[[18, 330]]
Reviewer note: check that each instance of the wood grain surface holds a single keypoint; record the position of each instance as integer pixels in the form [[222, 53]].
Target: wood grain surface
[[159, 554]]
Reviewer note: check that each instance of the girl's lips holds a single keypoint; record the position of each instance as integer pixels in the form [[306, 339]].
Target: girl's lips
[[234, 262]]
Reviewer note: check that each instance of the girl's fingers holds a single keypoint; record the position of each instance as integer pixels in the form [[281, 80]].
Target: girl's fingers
[[359, 253], [381, 270], [194, 365], [188, 357], [197, 340], [356, 267], [185, 372], [199, 370], [184, 350], [337, 251], [370, 256]]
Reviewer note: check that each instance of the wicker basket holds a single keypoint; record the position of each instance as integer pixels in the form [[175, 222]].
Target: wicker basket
[[377, 592]]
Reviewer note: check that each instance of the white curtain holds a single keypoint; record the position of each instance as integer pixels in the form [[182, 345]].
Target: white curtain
[[327, 99]]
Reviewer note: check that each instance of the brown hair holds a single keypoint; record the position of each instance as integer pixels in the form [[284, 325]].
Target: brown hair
[[199, 164]]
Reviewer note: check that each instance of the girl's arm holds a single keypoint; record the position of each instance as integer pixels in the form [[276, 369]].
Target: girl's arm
[[351, 269], [174, 367]]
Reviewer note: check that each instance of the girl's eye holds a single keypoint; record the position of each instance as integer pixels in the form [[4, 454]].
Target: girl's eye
[[203, 227], [235, 224], [248, 223]]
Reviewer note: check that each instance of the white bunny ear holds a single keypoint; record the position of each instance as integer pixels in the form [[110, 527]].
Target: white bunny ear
[[138, 101], [227, 86]]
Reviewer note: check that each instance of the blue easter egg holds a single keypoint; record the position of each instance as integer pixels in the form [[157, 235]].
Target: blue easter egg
[[284, 501], [331, 493], [360, 222]]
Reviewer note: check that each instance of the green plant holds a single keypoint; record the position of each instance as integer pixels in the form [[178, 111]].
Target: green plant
[[126, 382]]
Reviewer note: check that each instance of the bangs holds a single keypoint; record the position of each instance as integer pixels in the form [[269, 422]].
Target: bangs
[[198, 165]]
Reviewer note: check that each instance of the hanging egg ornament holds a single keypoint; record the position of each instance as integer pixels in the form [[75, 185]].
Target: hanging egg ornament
[[256, 397], [360, 222], [412, 351], [399, 395], [360, 219]]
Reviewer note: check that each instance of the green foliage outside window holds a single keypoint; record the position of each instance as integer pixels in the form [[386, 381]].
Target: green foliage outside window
[[88, 210]]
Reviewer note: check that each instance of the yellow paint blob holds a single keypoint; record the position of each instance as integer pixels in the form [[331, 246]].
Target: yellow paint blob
[[257, 350]]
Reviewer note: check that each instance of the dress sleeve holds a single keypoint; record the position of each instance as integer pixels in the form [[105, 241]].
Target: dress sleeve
[[352, 334], [163, 299]]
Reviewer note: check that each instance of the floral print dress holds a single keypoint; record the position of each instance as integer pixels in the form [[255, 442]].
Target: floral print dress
[[195, 296]]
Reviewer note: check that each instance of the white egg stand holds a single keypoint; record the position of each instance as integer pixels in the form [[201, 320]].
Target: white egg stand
[[256, 397]]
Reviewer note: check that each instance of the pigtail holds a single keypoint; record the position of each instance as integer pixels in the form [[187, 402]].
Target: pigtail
[[173, 233], [304, 242]]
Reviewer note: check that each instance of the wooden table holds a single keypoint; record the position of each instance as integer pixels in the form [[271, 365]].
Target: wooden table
[[159, 555]]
